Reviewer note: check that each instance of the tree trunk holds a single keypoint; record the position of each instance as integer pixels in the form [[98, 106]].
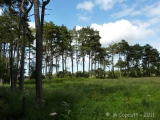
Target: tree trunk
[[62, 63], [89, 65], [77, 65], [17, 61], [11, 51], [56, 66], [72, 62], [29, 64], [112, 71], [38, 52], [65, 60], [83, 64], [21, 81]]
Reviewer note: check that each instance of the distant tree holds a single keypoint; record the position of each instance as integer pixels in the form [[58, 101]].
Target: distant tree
[[123, 56], [89, 40], [150, 60], [75, 47], [136, 52], [112, 49]]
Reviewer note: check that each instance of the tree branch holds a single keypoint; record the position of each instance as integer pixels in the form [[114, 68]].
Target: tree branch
[[22, 6]]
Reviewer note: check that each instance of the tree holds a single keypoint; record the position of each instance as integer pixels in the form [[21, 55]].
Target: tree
[[50, 46], [150, 60], [136, 53], [8, 25], [39, 46], [63, 44], [25, 12], [89, 43], [123, 51], [74, 37], [112, 49]]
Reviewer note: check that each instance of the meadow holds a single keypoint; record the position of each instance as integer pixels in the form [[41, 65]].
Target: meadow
[[84, 99]]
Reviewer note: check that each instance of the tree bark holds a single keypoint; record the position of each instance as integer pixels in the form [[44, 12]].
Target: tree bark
[[38, 52], [11, 51], [21, 81]]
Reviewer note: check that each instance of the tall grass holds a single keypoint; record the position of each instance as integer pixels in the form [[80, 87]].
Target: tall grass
[[85, 99]]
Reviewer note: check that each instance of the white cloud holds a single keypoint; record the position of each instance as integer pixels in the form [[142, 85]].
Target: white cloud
[[122, 29], [86, 5], [154, 20], [84, 17], [78, 27], [31, 24], [152, 10], [122, 13], [106, 4], [141, 24], [135, 13]]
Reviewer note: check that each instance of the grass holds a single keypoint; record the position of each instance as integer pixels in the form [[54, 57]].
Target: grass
[[85, 99]]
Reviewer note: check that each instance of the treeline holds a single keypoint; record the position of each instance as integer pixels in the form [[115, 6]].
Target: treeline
[[88, 58], [81, 48]]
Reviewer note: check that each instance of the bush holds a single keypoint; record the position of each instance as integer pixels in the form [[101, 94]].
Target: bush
[[100, 73], [80, 74], [62, 74], [33, 75], [4, 71], [110, 76]]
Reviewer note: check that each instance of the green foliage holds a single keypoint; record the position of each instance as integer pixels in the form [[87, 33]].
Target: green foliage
[[4, 71], [110, 75], [62, 74], [81, 74], [100, 73]]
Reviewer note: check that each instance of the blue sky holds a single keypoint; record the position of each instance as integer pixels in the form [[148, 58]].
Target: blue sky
[[136, 21]]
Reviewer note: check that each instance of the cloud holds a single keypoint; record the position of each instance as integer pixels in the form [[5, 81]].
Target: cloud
[[122, 13], [102, 4], [83, 17], [121, 29], [141, 24], [150, 11], [31, 24], [154, 20], [78, 27], [86, 5], [106, 4]]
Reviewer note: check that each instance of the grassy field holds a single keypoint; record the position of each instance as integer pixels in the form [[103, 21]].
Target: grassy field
[[85, 99]]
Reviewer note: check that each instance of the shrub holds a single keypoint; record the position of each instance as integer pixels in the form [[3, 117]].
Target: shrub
[[80, 74], [100, 73], [62, 74]]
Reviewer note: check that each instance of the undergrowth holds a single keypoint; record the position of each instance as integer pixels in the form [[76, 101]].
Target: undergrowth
[[84, 99]]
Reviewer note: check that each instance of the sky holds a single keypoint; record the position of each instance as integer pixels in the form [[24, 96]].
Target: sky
[[136, 21]]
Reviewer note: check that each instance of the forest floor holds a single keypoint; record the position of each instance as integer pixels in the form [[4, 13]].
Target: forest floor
[[84, 99]]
